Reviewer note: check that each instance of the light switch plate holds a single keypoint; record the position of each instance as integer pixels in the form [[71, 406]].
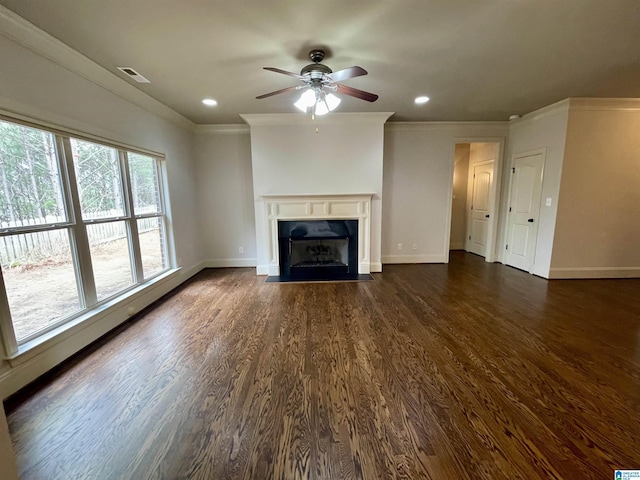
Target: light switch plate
[[548, 203]]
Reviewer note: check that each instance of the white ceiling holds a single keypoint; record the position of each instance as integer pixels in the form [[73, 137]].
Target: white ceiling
[[476, 59]]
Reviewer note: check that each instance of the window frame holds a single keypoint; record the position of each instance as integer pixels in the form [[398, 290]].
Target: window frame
[[77, 230], [160, 213]]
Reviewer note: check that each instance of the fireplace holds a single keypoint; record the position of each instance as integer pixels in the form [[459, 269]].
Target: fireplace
[[305, 210], [318, 249]]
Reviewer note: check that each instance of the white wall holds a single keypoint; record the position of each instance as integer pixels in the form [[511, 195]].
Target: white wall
[[336, 154], [598, 221], [225, 195], [418, 178], [459, 197], [34, 86], [417, 172], [546, 128]]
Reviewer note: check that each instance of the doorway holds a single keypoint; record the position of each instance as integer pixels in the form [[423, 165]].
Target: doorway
[[474, 197]]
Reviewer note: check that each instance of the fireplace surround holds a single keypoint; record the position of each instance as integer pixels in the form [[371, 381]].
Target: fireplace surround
[[354, 208]]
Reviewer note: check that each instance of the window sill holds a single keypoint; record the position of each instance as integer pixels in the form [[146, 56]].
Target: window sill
[[32, 348]]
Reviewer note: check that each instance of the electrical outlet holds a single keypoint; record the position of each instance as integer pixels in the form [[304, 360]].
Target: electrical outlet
[[241, 249], [414, 247], [399, 246]]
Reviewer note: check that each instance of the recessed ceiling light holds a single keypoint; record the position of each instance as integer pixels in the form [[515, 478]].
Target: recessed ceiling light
[[514, 117], [421, 100], [209, 102]]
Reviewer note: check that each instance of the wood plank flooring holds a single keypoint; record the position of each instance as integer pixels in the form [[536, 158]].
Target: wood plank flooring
[[460, 371]]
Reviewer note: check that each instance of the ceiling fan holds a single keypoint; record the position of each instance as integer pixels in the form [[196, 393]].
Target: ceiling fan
[[319, 83]]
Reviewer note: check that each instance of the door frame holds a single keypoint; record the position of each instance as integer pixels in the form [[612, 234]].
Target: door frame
[[527, 153], [492, 234]]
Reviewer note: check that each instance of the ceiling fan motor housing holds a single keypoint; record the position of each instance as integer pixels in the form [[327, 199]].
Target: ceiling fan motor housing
[[316, 71], [312, 68]]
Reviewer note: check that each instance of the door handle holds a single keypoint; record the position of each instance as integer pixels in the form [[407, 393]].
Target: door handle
[[486, 216], [530, 220]]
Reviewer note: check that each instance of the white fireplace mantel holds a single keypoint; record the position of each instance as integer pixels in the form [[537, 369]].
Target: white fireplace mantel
[[353, 206]]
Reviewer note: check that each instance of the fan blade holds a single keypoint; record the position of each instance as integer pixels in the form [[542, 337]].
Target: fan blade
[[341, 75], [354, 92], [284, 72], [288, 89]]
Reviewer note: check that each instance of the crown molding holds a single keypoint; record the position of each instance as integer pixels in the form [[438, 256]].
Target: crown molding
[[221, 129], [332, 118], [422, 126], [558, 107], [25, 33], [561, 107], [618, 104]]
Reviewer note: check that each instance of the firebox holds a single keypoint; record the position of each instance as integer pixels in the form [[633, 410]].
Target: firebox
[[318, 249]]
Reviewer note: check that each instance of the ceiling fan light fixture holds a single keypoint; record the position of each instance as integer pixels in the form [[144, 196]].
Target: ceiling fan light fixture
[[332, 101], [306, 100], [320, 102], [321, 108]]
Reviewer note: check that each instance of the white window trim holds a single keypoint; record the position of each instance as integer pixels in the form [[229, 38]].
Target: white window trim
[[90, 307]]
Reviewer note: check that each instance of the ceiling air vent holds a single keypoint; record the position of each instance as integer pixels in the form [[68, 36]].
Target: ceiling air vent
[[130, 72]]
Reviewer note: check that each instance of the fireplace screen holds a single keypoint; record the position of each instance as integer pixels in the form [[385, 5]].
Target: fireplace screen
[[318, 248]]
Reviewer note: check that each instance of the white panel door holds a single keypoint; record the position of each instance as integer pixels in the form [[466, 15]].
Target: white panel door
[[524, 210], [480, 215]]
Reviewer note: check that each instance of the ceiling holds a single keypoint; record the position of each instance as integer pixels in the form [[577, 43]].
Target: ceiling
[[476, 59]]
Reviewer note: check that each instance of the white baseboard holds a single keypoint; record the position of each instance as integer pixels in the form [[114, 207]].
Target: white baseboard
[[390, 259], [595, 272], [265, 270], [456, 246], [230, 262], [28, 366]]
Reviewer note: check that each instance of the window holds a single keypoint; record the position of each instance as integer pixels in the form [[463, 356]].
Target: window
[[147, 206], [80, 223]]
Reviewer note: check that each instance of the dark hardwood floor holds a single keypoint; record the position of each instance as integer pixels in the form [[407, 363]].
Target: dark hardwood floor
[[460, 371]]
